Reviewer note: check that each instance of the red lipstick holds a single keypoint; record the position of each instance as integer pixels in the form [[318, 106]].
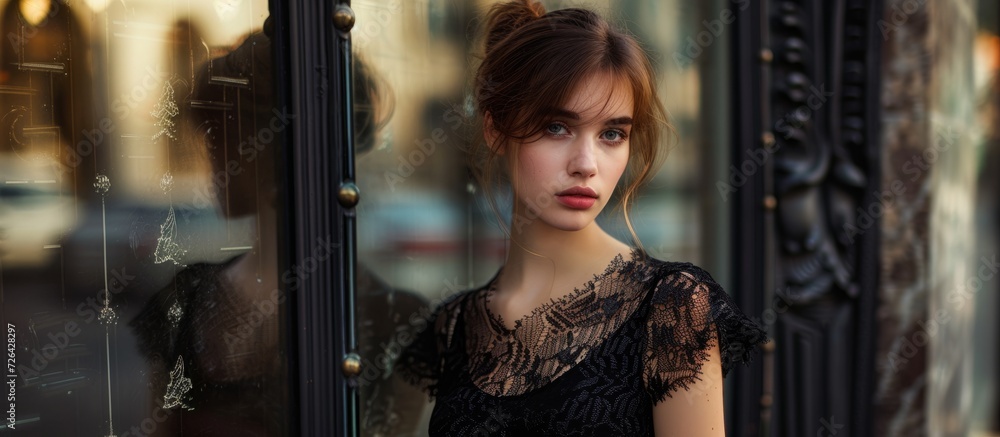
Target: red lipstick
[[577, 197]]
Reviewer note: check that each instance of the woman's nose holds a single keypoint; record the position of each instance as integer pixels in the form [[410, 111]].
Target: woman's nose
[[583, 161]]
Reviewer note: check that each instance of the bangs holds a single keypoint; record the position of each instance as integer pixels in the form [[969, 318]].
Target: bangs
[[531, 120]]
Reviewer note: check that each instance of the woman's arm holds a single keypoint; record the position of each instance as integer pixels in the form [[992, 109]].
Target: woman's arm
[[697, 411]]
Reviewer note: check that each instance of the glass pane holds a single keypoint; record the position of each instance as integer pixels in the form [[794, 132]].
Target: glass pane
[[138, 273], [425, 231]]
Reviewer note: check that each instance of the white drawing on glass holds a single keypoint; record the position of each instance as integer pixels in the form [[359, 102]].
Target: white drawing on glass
[[167, 248], [175, 313], [102, 185], [165, 111], [167, 182], [107, 316], [177, 388]]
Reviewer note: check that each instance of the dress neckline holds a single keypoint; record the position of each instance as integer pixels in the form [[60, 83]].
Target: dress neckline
[[496, 321]]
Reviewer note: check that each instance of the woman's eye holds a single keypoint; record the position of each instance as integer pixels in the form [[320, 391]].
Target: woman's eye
[[613, 135], [556, 129]]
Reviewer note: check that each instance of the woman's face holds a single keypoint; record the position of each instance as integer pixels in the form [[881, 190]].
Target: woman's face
[[565, 177]]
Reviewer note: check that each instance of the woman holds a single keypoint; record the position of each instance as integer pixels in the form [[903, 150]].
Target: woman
[[578, 333]]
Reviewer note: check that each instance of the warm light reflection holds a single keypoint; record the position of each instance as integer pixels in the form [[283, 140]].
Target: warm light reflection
[[34, 11], [98, 5], [986, 56]]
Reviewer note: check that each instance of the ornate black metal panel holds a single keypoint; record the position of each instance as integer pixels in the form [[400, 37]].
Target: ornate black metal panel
[[804, 221]]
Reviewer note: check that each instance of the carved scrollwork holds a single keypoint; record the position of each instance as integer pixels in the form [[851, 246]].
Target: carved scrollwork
[[818, 102]]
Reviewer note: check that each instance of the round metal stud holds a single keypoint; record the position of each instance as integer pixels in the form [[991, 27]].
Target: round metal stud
[[348, 195], [766, 400], [766, 55], [770, 202], [768, 139], [351, 365], [343, 18]]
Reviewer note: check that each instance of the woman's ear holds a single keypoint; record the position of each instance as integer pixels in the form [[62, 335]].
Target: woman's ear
[[491, 135]]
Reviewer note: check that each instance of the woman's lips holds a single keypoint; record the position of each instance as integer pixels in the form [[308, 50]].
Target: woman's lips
[[576, 201], [577, 197]]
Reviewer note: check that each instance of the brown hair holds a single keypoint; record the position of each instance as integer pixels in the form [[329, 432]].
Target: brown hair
[[533, 58]]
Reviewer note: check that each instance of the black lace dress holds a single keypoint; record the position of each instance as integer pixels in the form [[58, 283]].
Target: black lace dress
[[591, 363]]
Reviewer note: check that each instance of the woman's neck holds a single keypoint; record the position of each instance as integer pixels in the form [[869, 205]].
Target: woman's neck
[[541, 258]]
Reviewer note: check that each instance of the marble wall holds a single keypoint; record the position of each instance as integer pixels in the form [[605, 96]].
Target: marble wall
[[906, 132], [929, 135]]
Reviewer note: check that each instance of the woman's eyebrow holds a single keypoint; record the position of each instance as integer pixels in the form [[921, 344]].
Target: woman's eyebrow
[[620, 121], [564, 113]]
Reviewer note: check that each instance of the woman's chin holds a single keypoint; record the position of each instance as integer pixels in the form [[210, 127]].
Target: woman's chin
[[577, 222]]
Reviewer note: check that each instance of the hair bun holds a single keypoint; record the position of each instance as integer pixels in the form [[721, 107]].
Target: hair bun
[[504, 18]]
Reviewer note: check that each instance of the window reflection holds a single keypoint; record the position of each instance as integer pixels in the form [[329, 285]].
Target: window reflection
[[138, 239]]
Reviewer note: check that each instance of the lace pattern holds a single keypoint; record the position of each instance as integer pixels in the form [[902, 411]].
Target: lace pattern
[[685, 314], [555, 336], [689, 314]]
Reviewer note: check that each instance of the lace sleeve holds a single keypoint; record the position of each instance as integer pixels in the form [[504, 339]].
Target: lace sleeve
[[422, 361], [689, 313]]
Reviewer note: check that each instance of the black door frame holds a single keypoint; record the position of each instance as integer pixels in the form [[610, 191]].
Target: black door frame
[[313, 41]]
